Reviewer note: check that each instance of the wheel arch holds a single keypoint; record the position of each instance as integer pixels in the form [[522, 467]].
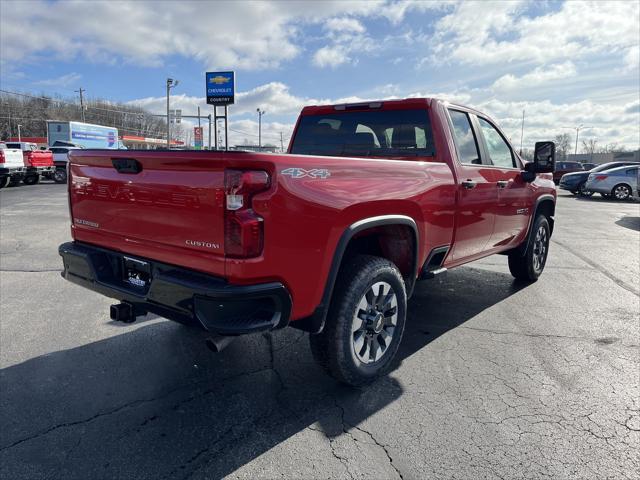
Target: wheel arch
[[357, 238], [545, 205]]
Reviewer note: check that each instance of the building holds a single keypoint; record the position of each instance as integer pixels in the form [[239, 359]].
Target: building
[[600, 158], [135, 142]]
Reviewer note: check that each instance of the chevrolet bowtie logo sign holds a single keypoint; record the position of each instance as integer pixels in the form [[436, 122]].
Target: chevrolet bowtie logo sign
[[219, 80], [220, 88]]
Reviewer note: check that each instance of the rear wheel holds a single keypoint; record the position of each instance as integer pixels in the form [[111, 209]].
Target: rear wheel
[[4, 182], [365, 322], [31, 179], [529, 266], [583, 191], [621, 191], [60, 175]]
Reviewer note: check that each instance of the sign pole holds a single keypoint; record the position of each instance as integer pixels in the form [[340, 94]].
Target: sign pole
[[215, 127], [209, 131], [226, 131]]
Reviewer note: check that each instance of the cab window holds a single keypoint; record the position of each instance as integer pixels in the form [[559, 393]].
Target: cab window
[[499, 151], [465, 138]]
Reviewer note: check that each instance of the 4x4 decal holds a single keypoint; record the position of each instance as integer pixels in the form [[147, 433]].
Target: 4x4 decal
[[301, 172]]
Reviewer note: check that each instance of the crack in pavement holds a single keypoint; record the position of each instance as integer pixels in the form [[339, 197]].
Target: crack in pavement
[[601, 341], [44, 270], [128, 405], [618, 281]]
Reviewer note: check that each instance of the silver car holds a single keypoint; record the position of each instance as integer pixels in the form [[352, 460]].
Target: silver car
[[619, 182]]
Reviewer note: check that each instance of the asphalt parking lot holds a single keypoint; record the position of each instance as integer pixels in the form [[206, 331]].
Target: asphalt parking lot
[[495, 379]]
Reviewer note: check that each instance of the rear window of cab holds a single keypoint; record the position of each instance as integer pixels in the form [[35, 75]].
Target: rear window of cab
[[365, 133]]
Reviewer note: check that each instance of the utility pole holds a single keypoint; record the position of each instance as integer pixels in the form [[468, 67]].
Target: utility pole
[[170, 84], [19, 135], [522, 133], [281, 143], [81, 91], [260, 113]]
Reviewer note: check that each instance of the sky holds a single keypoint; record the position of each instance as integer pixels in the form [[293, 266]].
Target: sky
[[564, 63]]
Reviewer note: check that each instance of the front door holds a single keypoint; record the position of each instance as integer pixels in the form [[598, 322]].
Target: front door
[[514, 195], [477, 193]]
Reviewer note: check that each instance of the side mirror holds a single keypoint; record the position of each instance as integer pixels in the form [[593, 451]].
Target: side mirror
[[544, 158]]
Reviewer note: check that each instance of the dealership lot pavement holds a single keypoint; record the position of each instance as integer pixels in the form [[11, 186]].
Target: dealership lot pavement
[[495, 379]]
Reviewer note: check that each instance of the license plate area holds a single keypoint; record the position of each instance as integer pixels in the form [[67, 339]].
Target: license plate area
[[136, 273]]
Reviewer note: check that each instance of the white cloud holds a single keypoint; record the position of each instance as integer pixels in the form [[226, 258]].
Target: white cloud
[[538, 76], [70, 79], [245, 35], [330, 56], [632, 58], [344, 25], [499, 32]]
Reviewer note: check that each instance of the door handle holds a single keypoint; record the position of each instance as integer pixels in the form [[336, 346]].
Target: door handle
[[469, 184], [502, 183]]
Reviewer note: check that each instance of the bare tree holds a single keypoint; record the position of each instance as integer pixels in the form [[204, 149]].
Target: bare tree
[[563, 145], [590, 146], [33, 111]]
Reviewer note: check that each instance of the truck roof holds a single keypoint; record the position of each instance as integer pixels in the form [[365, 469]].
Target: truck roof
[[402, 104]]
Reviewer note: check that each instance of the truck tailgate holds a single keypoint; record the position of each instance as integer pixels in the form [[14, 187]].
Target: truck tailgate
[[167, 208]]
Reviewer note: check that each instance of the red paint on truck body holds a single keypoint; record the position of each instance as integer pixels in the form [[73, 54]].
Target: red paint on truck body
[[173, 210]]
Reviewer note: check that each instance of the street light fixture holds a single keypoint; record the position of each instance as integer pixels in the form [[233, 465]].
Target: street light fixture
[[170, 84], [260, 113], [577, 129]]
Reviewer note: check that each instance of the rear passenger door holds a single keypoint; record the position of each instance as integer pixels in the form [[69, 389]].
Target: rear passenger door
[[514, 195], [477, 193]]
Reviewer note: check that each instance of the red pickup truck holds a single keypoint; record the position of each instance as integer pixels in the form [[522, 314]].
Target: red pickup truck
[[37, 162], [329, 238]]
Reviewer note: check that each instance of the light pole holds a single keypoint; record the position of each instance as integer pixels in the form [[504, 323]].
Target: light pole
[[170, 84], [577, 129], [260, 113], [19, 136]]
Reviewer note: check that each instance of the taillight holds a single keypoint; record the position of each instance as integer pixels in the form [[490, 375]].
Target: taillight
[[601, 177], [1, 156], [243, 228]]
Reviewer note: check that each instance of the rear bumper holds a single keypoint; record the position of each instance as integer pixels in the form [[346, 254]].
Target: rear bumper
[[41, 170], [11, 171], [571, 185], [179, 294]]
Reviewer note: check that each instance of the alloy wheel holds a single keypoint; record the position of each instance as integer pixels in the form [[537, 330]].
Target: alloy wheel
[[540, 245], [374, 322]]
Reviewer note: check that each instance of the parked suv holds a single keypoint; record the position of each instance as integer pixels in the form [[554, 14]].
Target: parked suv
[[566, 167], [576, 182]]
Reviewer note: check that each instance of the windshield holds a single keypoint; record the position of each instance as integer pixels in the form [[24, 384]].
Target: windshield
[[365, 133], [608, 166]]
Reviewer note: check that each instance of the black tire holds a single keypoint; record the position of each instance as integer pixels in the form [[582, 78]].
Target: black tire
[[335, 348], [14, 181], [529, 267], [582, 190], [31, 180], [60, 175], [4, 182], [621, 192]]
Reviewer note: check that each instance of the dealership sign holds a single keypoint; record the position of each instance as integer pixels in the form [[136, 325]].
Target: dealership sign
[[197, 137], [220, 88]]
